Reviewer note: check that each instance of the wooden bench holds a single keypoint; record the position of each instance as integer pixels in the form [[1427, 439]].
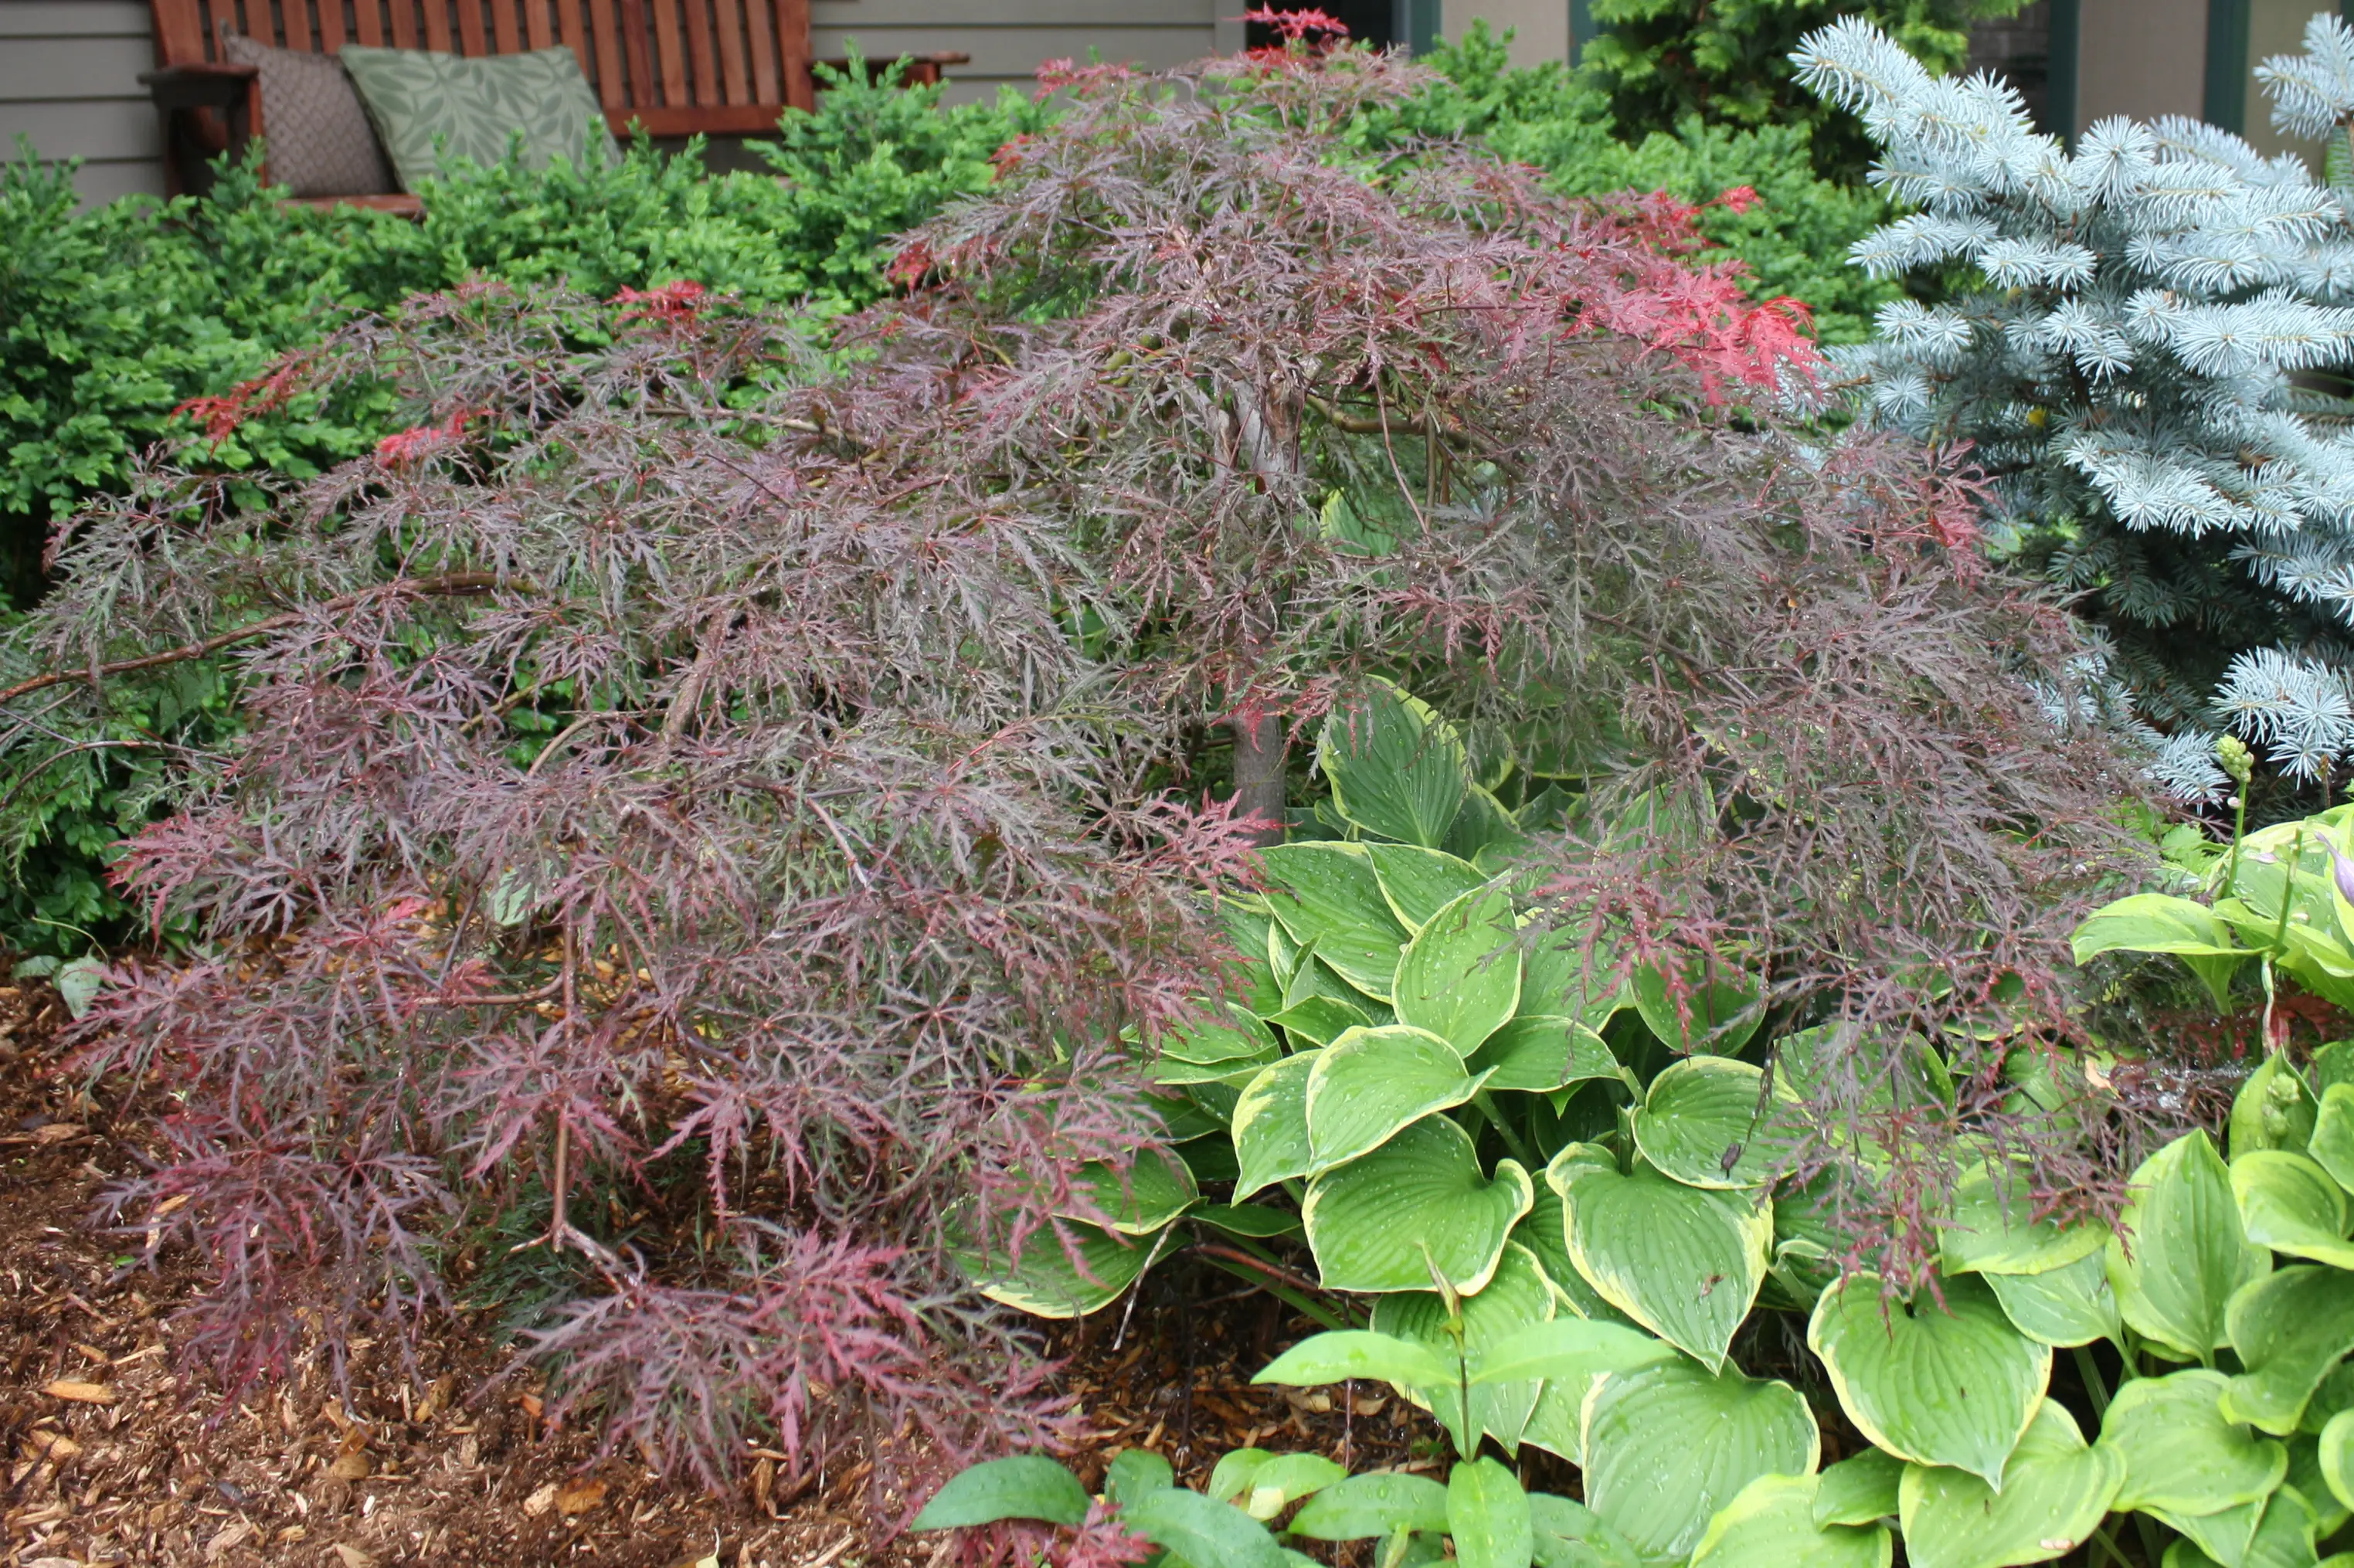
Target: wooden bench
[[677, 68]]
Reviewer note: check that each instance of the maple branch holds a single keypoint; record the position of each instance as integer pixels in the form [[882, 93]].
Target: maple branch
[[449, 584]]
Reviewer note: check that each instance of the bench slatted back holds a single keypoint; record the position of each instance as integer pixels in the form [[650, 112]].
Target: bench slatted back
[[679, 67]]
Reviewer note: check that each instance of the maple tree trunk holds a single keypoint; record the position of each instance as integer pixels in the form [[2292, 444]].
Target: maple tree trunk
[[1259, 750]]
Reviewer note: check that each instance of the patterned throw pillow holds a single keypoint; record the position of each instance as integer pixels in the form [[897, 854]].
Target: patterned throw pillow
[[316, 134], [475, 108]]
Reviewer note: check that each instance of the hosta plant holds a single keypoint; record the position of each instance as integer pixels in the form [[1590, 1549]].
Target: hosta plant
[[1550, 1180]]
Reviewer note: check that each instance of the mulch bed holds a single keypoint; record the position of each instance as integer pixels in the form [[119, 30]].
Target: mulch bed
[[113, 1456]]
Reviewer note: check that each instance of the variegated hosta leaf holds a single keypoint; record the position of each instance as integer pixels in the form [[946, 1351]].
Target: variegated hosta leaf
[[2188, 1254], [2273, 1109], [1539, 1052], [2181, 1452], [1370, 1082], [1327, 893], [1460, 976], [2054, 1491], [1417, 1204], [2071, 1306], [1513, 1299], [2291, 1204], [1270, 1126], [2288, 1328], [1153, 1190], [1683, 1262], [1396, 767], [1419, 882], [1771, 1524], [1042, 1278], [1709, 1121], [1953, 1385], [1668, 1445], [1994, 1230]]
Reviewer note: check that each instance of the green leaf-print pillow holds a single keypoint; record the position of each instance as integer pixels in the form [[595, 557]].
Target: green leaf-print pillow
[[428, 108]]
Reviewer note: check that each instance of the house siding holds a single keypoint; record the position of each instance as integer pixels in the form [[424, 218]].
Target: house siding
[[70, 85]]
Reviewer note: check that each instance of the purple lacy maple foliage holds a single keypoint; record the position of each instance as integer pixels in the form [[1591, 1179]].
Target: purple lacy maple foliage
[[758, 784]]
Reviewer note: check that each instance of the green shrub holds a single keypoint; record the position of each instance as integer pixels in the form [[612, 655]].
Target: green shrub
[[1661, 62], [1793, 239], [112, 318]]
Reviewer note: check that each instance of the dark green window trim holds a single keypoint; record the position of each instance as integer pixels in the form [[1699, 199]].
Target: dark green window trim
[[1582, 30], [2059, 69], [2225, 100], [1415, 24]]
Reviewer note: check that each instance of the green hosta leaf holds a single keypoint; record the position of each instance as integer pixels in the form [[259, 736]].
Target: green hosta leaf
[[1560, 977], [1568, 1534], [1682, 1262], [1370, 1082], [2054, 1491], [2290, 1204], [2277, 1534], [1487, 1515], [1516, 1298], [1396, 767], [2180, 1453], [2288, 1328], [1043, 1279], [1319, 1020], [1134, 1472], [1028, 1486], [1546, 1231], [1719, 1009], [1567, 1350], [1141, 1200], [1365, 1508], [1230, 1477], [2329, 1510], [1271, 1126], [1994, 1231], [2189, 1252], [1668, 1445], [1279, 1480], [1420, 881], [1327, 892], [1416, 1203], [1252, 1220], [1345, 1353], [1860, 1490], [1201, 1531], [2154, 923], [1232, 1035], [1537, 1052], [1484, 833], [1708, 1122], [1174, 1072], [2273, 1109], [1952, 1386], [2332, 1144], [1772, 1524], [2071, 1306], [1912, 1076], [1460, 976], [2334, 1455], [2332, 1064]]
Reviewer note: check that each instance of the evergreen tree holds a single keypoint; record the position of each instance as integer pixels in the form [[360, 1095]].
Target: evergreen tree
[[2146, 366]]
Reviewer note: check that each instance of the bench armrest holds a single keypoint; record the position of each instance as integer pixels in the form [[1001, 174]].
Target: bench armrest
[[198, 86]]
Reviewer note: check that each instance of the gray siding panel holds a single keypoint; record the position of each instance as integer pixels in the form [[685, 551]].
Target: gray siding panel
[[100, 129], [1007, 38], [69, 82], [74, 19], [46, 68]]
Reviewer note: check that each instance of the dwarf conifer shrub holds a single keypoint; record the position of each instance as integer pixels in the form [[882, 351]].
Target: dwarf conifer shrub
[[2143, 372]]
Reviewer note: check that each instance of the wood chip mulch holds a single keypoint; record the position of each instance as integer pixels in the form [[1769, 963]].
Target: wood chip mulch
[[113, 1457]]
